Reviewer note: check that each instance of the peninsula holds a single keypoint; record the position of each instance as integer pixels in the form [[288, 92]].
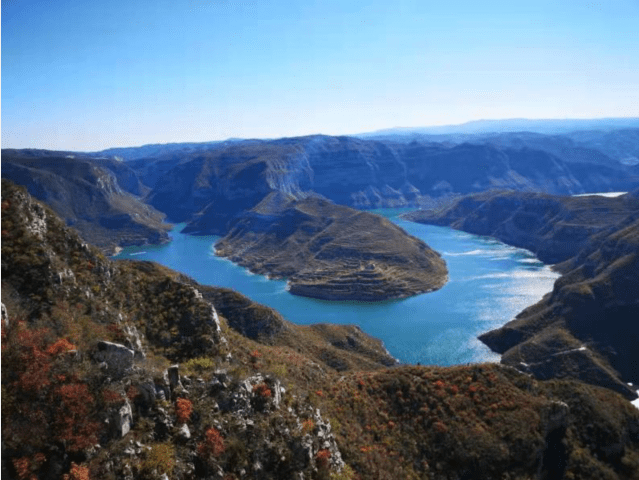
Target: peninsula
[[332, 252]]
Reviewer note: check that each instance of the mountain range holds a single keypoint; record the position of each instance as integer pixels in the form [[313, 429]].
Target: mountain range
[[94, 350], [126, 369]]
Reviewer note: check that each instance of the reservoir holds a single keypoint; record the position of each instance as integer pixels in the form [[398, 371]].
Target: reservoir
[[489, 283]]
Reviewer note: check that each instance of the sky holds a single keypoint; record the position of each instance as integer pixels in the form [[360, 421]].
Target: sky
[[85, 76]]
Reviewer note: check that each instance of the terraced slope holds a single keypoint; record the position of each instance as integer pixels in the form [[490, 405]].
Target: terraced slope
[[332, 252]]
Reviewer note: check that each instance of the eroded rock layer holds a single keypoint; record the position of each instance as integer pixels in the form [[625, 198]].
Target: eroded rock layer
[[332, 252]]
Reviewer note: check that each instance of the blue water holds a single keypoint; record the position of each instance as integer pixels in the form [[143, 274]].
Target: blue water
[[489, 283]]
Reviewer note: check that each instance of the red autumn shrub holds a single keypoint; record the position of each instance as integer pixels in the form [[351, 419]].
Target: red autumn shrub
[[21, 466], [77, 472], [132, 392], [60, 346], [262, 390], [213, 444], [111, 397], [72, 418], [322, 457], [183, 409]]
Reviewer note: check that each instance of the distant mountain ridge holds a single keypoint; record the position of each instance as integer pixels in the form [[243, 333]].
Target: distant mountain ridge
[[545, 126], [213, 183], [366, 174]]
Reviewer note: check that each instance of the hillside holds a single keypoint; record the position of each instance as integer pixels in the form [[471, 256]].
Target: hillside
[[130, 370], [97, 196], [230, 178], [553, 227], [331, 252], [587, 327]]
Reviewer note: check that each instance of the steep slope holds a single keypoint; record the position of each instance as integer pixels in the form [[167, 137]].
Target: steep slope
[[589, 320], [587, 327], [229, 178], [554, 228], [332, 252], [86, 349], [89, 195], [90, 387]]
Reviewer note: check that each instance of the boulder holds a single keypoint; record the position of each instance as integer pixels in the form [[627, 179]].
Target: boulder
[[118, 358]]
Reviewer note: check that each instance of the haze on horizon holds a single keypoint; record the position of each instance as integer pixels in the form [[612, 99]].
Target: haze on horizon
[[83, 75]]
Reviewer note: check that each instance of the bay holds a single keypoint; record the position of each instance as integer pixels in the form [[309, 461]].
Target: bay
[[489, 283]]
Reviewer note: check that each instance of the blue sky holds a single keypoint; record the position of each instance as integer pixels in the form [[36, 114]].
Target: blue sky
[[83, 75]]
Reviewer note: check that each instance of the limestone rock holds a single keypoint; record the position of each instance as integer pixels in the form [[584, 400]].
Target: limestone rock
[[122, 420], [118, 358]]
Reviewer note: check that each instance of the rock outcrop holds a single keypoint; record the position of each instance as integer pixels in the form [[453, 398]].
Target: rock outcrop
[[332, 252]]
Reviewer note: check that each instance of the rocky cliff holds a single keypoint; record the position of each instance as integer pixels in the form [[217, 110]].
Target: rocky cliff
[[366, 173], [586, 328], [97, 196], [130, 370], [553, 227], [331, 252]]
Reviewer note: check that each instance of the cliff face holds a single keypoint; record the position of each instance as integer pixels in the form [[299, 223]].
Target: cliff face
[[586, 328], [130, 370], [332, 252], [554, 228], [362, 173], [92, 195]]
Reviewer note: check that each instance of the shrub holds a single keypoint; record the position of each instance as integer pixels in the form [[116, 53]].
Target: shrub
[[159, 460], [72, 420], [77, 472], [60, 346], [198, 365], [262, 390], [308, 426], [213, 444], [322, 457], [183, 408]]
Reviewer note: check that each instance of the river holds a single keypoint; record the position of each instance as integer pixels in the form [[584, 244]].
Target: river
[[489, 283]]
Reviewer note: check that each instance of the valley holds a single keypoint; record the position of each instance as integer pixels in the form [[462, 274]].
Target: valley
[[170, 377], [302, 379]]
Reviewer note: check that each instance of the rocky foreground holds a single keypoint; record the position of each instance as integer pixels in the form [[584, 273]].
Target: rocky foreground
[[588, 327], [128, 370], [332, 252]]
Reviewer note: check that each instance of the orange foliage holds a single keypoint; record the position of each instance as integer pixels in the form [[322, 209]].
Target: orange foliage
[[213, 444], [22, 467], [132, 392], [183, 409], [308, 426], [322, 457], [77, 472], [61, 346], [262, 390], [72, 419], [111, 397]]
